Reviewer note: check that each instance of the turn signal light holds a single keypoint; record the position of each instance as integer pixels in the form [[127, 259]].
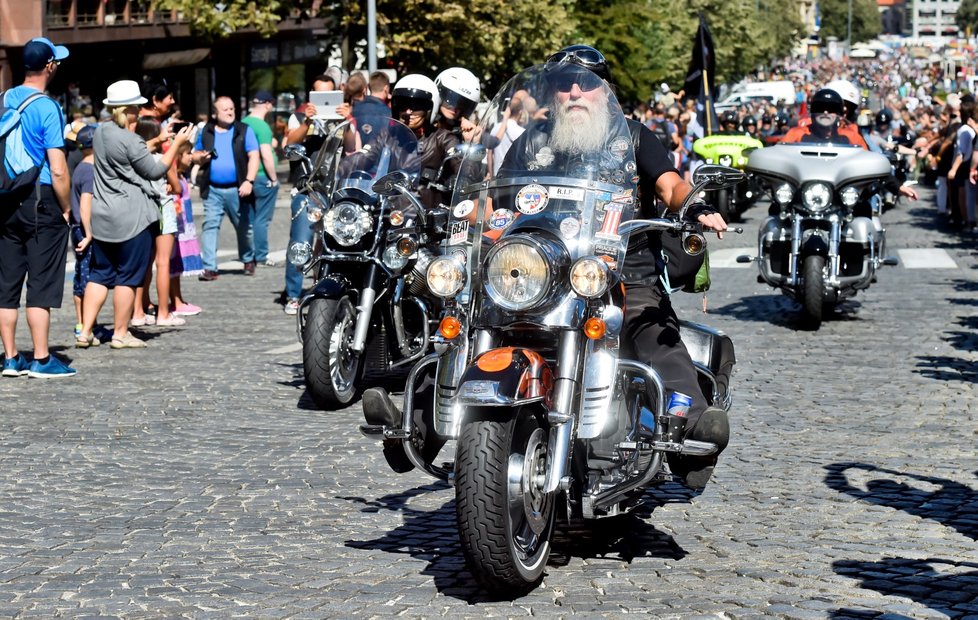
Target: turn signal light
[[406, 246], [594, 328], [450, 327]]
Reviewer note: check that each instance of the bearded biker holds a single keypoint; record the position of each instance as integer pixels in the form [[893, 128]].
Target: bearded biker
[[577, 129]]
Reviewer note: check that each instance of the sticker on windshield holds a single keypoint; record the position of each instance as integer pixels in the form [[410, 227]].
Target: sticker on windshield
[[619, 148], [532, 199], [625, 196], [463, 208], [566, 193], [569, 227], [459, 232], [500, 219], [610, 221]]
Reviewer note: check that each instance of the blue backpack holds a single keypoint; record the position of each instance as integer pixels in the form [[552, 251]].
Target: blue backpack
[[18, 169]]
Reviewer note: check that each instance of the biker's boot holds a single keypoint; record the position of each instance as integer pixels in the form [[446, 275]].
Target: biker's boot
[[695, 471], [380, 410]]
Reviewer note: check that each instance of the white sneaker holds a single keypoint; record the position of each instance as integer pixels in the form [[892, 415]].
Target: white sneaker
[[292, 307]]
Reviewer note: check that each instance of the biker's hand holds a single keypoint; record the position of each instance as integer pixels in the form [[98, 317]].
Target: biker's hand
[[906, 190], [470, 131], [713, 221]]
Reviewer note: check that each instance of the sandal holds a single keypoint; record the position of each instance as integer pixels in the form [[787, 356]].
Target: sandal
[[171, 321], [127, 342], [81, 342]]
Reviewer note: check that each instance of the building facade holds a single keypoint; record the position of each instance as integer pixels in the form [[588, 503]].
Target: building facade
[[934, 20], [110, 40]]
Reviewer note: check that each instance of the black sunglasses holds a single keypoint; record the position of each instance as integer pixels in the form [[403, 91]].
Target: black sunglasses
[[564, 82]]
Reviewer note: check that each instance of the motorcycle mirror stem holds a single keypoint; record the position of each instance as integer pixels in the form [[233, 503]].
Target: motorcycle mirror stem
[[396, 184]]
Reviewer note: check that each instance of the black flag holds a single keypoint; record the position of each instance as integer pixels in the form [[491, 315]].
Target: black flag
[[700, 78]]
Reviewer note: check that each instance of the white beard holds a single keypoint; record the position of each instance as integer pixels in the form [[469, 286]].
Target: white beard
[[577, 132]]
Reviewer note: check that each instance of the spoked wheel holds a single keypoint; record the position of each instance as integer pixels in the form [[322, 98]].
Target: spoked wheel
[[331, 368], [505, 520], [813, 271]]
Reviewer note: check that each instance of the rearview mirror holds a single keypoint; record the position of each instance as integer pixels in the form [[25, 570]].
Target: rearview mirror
[[387, 184], [295, 152], [713, 177]]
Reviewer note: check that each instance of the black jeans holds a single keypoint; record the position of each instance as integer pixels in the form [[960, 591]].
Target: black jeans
[[651, 335]]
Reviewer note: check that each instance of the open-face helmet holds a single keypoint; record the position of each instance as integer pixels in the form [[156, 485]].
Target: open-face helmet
[[459, 90], [883, 119], [729, 117], [415, 92]]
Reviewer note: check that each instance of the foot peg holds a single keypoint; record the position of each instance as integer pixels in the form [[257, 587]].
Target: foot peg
[[745, 258], [383, 422], [891, 261], [691, 447]]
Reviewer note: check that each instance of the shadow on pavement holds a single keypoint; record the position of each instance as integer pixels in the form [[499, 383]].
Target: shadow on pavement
[[781, 311], [929, 497], [948, 502], [939, 584], [432, 536]]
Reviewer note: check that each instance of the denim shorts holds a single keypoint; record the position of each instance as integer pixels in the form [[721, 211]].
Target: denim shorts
[[83, 262], [168, 218]]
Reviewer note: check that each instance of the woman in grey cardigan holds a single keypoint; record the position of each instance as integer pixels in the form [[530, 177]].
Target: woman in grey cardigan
[[125, 210]]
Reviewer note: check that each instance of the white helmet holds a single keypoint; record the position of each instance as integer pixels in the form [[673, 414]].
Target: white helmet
[[415, 92], [459, 89], [849, 93]]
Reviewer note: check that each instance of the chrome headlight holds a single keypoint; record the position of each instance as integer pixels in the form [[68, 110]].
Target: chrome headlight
[[589, 277], [817, 197], [784, 194], [445, 277], [300, 253], [518, 274], [849, 196], [393, 259], [726, 160], [347, 222]]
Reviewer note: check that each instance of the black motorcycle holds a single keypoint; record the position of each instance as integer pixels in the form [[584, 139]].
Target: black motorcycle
[[369, 309]]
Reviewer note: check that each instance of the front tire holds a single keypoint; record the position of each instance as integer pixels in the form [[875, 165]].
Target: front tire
[[505, 521], [724, 205], [813, 272], [332, 370]]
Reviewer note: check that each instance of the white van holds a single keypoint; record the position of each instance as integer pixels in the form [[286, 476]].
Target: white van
[[747, 92]]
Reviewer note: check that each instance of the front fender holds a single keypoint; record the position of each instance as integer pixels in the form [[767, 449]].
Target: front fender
[[506, 377], [331, 287], [815, 243]]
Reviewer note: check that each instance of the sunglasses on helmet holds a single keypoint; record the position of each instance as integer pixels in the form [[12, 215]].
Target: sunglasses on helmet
[[589, 58], [564, 81]]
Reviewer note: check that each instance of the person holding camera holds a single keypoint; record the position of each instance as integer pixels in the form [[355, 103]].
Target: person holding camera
[[228, 153]]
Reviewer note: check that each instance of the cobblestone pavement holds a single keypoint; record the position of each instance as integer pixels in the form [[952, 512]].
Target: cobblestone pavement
[[195, 478]]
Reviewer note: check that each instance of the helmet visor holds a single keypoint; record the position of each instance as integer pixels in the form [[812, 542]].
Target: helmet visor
[[830, 107], [410, 99], [462, 105]]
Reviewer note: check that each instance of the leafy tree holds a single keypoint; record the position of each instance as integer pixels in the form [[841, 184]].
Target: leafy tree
[[866, 22], [219, 19], [967, 16]]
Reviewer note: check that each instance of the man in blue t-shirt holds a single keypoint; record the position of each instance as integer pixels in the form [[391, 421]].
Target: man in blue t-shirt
[[227, 151], [34, 221]]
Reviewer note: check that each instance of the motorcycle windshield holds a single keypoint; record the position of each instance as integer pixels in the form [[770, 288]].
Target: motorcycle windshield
[[565, 172], [385, 145]]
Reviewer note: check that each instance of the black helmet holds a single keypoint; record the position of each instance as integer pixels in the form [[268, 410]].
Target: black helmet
[[583, 56], [766, 119], [883, 118], [825, 100], [729, 117], [748, 120]]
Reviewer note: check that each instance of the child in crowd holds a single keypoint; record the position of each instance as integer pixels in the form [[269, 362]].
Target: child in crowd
[[148, 129], [186, 258], [82, 180]]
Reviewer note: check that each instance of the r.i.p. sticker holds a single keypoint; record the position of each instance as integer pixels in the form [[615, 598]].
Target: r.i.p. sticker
[[532, 199]]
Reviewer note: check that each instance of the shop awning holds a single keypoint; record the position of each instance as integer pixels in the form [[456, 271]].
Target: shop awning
[[178, 58]]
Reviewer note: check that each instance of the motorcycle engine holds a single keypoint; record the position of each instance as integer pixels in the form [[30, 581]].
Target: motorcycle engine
[[417, 280]]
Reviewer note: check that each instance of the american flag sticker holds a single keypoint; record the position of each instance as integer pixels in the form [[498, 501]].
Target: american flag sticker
[[609, 224]]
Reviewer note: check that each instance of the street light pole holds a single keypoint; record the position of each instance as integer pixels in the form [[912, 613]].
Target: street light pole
[[371, 35], [849, 30]]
